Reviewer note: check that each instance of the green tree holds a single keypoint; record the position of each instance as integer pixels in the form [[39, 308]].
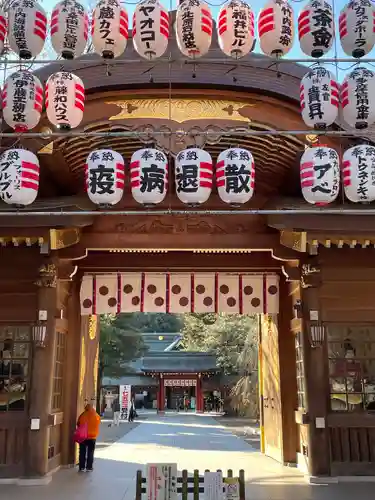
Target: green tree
[[233, 338], [153, 322]]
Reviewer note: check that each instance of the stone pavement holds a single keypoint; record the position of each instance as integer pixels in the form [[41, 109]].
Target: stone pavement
[[194, 442]]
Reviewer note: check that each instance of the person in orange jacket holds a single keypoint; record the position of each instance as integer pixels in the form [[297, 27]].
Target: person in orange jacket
[[87, 447]]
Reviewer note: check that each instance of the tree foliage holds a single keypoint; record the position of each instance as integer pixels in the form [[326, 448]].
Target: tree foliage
[[234, 340]]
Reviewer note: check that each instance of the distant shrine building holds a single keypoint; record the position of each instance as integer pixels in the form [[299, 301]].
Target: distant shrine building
[[169, 379]]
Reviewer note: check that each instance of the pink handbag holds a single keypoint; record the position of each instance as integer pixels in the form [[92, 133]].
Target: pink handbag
[[80, 434]]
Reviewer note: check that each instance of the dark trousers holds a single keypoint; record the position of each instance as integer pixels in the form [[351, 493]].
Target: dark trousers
[[86, 454]]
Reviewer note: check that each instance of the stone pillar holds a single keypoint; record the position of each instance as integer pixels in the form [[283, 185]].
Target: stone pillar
[[42, 373]]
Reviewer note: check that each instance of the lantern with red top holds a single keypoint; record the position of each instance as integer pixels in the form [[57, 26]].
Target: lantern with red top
[[235, 29], [65, 100], [193, 175], [3, 29], [19, 177], [105, 177], [357, 28], [150, 29], [276, 28], [27, 28], [316, 28], [22, 101], [320, 175], [193, 28], [358, 98], [149, 176], [358, 173], [109, 29], [69, 29], [319, 98], [235, 176]]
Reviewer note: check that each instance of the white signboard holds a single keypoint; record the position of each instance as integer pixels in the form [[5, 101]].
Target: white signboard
[[213, 486], [232, 488], [125, 400], [161, 481]]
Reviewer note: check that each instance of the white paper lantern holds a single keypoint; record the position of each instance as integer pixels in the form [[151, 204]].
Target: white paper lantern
[[358, 173], [316, 28], [65, 100], [276, 28], [356, 27], [27, 28], [320, 175], [149, 176], [193, 28], [22, 101], [19, 177], [319, 98], [150, 29], [235, 176], [3, 29], [105, 177], [69, 29], [109, 28], [235, 28], [193, 174], [358, 98]]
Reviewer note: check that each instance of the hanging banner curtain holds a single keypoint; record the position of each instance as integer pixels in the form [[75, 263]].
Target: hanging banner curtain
[[180, 293]]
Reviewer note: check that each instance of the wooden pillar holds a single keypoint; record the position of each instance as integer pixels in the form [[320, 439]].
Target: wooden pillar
[[316, 366], [199, 395], [71, 375], [42, 374], [161, 394]]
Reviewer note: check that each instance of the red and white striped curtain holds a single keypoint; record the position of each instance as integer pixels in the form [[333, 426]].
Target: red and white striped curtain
[[180, 293]]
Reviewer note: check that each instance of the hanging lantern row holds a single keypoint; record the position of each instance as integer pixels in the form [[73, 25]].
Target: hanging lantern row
[[23, 99], [320, 174], [321, 97], [105, 176], [70, 26]]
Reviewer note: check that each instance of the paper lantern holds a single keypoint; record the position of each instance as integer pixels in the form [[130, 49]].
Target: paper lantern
[[105, 177], [358, 98], [358, 173], [149, 176], [3, 29], [109, 29], [22, 101], [193, 174], [19, 177], [320, 175], [193, 28], [69, 29], [235, 174], [27, 28], [150, 29], [276, 28], [235, 29], [65, 100], [357, 28], [319, 98], [316, 28]]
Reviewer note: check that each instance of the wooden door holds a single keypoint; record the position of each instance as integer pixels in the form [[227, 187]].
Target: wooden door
[[271, 389]]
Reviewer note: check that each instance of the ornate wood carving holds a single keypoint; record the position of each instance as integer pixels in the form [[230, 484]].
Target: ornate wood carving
[[311, 275], [294, 239], [62, 238], [180, 109], [47, 276]]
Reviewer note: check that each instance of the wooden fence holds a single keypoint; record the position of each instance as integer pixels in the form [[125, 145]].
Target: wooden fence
[[189, 484]]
